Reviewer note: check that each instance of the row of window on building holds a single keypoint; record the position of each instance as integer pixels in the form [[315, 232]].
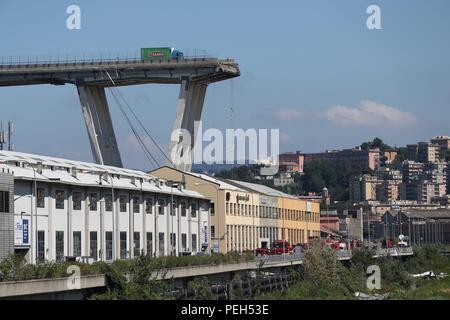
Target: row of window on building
[[96, 254], [123, 201], [269, 212], [4, 201], [244, 237]]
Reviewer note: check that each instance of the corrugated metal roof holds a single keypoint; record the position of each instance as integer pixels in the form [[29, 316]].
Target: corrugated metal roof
[[222, 184], [427, 214], [11, 156], [262, 189], [87, 174]]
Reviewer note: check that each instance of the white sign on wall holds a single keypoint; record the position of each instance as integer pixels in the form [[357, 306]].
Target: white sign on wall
[[21, 232], [205, 232], [215, 246]]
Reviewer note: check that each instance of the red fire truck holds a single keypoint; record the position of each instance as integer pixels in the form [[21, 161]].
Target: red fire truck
[[277, 247]]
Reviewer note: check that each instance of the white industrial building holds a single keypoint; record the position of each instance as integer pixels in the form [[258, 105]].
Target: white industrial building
[[65, 208]]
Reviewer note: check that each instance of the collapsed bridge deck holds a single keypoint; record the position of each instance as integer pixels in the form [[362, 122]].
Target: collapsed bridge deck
[[122, 72], [91, 77]]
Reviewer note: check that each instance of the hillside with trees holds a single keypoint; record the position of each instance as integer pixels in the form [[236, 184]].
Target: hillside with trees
[[317, 174]]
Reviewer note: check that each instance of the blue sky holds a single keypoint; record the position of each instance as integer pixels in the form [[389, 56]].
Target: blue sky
[[310, 68]]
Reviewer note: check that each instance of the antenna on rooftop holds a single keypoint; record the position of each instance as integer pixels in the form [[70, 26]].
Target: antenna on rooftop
[[10, 133], [2, 136], [6, 137]]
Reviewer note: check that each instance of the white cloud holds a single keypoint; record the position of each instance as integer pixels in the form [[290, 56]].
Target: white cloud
[[284, 137], [288, 115], [369, 114]]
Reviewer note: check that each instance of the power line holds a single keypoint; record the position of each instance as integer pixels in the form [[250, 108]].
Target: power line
[[145, 130], [138, 138], [137, 119], [233, 125]]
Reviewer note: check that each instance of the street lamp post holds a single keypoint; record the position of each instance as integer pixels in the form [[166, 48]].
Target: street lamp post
[[253, 211], [33, 220], [113, 213], [282, 211], [284, 229], [385, 227], [172, 184], [368, 229], [209, 216], [409, 230], [172, 238]]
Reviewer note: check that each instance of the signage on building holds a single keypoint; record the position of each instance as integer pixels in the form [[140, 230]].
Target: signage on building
[[21, 232], [25, 231], [267, 201], [215, 246], [242, 198], [263, 200], [205, 232]]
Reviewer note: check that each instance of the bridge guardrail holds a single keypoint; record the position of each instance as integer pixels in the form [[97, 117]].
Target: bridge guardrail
[[397, 251], [129, 56], [342, 255]]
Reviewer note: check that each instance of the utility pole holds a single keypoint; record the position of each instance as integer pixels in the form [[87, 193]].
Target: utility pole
[[368, 230], [174, 235], [384, 226], [409, 231]]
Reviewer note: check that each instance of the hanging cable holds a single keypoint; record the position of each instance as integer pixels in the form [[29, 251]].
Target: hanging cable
[[233, 125], [138, 120], [141, 143], [214, 165], [145, 130]]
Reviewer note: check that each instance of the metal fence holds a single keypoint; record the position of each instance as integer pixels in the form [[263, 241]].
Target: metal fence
[[97, 57], [398, 251], [341, 255], [280, 258]]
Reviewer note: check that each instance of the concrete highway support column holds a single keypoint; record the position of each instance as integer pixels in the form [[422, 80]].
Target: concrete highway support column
[[189, 110], [99, 125]]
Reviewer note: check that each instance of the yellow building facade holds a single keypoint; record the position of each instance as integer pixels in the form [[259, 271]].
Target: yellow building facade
[[244, 216], [298, 219]]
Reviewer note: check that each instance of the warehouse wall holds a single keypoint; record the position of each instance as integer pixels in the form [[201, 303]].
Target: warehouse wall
[[7, 218]]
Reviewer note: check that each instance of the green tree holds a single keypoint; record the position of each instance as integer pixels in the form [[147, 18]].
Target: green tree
[[201, 288], [322, 277], [445, 155], [402, 155], [335, 176], [139, 283], [428, 258], [374, 144]]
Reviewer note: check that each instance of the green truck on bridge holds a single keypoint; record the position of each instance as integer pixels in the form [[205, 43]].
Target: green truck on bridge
[[160, 54]]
